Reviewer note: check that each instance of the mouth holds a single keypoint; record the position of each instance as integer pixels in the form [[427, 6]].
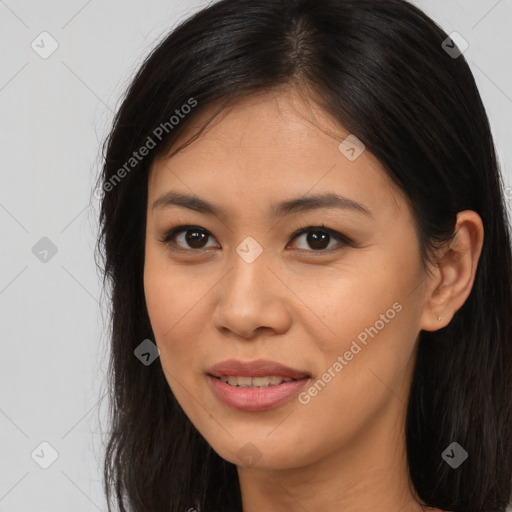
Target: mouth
[[254, 382], [255, 385]]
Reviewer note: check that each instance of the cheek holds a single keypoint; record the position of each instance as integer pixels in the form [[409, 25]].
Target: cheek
[[371, 315], [170, 303], [364, 367], [173, 316], [354, 299]]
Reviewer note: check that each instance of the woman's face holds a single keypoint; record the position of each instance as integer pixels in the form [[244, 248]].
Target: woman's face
[[340, 305]]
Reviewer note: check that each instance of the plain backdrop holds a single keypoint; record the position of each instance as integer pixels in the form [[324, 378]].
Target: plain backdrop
[[54, 114]]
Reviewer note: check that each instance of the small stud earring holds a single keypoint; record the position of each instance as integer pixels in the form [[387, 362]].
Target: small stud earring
[[439, 318]]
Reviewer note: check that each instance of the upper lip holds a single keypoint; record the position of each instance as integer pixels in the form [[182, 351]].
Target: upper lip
[[257, 368]]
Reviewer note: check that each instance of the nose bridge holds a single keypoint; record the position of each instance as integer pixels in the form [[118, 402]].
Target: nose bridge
[[247, 297], [248, 277]]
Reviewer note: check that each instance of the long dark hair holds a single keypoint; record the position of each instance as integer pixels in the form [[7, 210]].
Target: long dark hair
[[380, 68]]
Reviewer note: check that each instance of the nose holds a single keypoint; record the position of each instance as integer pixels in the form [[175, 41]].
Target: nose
[[252, 298]]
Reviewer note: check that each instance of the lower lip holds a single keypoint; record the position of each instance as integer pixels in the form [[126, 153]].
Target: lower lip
[[255, 399]]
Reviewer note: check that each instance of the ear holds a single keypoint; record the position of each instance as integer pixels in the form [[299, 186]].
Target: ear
[[452, 278]]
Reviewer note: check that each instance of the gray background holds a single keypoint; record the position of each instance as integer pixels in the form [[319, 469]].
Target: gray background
[[54, 114]]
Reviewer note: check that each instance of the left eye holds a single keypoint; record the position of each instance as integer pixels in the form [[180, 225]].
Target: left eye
[[317, 237]]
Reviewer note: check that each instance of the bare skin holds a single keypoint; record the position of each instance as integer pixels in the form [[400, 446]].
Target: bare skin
[[343, 449]]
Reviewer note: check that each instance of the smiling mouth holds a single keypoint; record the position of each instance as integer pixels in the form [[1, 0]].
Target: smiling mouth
[[254, 382]]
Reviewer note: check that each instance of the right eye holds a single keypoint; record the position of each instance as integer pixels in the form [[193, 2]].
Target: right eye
[[193, 236]]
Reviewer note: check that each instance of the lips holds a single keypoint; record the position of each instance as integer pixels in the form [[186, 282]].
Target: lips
[[250, 394], [257, 368]]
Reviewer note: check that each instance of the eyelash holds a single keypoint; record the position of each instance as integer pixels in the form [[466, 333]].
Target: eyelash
[[344, 240]]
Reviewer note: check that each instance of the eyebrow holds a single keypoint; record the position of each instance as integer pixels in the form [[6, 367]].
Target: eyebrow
[[288, 207]]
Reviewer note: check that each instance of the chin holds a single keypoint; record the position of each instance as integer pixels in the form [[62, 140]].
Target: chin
[[261, 453]]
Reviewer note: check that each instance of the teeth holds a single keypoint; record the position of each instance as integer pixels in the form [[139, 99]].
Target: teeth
[[254, 382]]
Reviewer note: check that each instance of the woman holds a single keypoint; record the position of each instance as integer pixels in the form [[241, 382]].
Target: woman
[[304, 230]]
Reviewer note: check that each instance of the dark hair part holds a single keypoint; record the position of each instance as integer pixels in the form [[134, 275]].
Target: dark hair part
[[379, 69]]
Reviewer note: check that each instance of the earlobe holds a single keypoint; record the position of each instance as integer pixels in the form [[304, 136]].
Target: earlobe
[[455, 272]]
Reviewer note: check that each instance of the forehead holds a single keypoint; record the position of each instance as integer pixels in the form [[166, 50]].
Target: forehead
[[271, 144]]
